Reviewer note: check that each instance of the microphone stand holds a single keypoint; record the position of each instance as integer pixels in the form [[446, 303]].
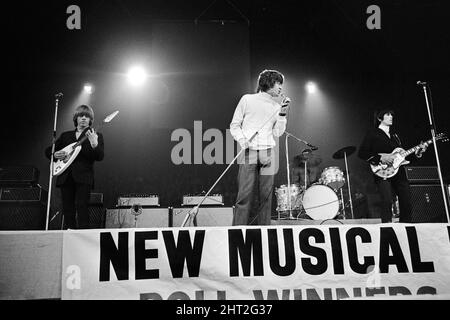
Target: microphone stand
[[57, 96], [194, 211], [287, 168], [433, 135], [288, 178]]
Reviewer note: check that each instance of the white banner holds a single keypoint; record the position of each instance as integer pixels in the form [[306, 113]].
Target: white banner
[[258, 263]]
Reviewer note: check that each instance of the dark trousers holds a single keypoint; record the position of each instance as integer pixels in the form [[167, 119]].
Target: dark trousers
[[256, 173], [75, 203], [399, 186]]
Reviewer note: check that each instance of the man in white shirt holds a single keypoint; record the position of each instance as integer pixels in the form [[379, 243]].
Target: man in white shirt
[[259, 114]]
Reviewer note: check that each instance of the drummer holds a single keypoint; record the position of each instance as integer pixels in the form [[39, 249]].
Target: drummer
[[313, 170]]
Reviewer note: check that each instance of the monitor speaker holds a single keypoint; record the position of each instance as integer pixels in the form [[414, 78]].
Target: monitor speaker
[[427, 204]]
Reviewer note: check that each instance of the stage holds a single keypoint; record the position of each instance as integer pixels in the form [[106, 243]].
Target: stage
[[33, 262]]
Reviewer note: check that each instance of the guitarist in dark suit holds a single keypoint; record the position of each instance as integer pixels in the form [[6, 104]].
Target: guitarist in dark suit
[[382, 140], [77, 180]]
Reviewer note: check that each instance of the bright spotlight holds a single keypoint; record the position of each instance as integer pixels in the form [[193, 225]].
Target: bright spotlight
[[88, 88], [311, 87], [136, 75]]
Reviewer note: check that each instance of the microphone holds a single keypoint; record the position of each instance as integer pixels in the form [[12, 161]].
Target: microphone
[[285, 103], [421, 83], [58, 95], [313, 148]]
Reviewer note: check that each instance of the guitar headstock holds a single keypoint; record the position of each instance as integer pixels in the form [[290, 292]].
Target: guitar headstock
[[111, 116], [442, 136]]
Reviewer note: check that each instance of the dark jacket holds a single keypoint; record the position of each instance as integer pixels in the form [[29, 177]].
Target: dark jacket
[[82, 168], [377, 141]]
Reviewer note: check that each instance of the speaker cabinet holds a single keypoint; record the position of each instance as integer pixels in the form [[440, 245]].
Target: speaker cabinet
[[143, 218], [22, 208], [427, 204], [206, 216], [97, 217], [22, 216]]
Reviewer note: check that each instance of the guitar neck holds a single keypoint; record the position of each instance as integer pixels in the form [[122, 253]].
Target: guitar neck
[[79, 143], [414, 149]]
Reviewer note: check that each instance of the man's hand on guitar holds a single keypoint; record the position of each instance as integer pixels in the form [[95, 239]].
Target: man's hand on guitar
[[60, 154], [93, 137], [387, 159], [422, 148]]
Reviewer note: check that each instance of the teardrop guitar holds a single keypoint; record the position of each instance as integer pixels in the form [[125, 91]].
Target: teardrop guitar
[[73, 149], [386, 171]]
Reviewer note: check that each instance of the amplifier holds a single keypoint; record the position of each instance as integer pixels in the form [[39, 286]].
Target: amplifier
[[144, 218], [215, 199], [96, 199], [144, 200], [30, 194], [422, 175], [206, 216], [18, 175]]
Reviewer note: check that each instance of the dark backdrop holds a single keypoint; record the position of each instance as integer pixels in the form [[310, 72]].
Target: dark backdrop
[[202, 56]]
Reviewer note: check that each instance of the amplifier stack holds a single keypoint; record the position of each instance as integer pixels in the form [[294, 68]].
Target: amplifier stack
[[22, 199], [426, 195]]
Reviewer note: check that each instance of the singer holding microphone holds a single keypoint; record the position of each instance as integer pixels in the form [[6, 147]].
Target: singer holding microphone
[[262, 113]]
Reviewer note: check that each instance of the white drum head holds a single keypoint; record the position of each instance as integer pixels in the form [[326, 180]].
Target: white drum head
[[320, 202]]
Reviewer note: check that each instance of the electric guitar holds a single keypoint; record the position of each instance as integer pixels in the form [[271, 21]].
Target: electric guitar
[[387, 171], [73, 149]]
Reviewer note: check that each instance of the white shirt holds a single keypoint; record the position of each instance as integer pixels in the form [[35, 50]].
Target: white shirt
[[258, 111]]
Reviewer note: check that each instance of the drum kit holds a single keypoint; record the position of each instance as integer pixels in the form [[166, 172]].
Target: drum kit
[[316, 200]]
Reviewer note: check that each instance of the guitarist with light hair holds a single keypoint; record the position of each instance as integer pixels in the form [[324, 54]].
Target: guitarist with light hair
[[77, 180], [376, 148]]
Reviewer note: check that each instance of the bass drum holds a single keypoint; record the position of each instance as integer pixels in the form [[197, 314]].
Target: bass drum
[[320, 202]]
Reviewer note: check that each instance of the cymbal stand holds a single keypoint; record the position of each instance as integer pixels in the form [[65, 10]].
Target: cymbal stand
[[288, 179], [306, 173], [348, 185], [343, 204]]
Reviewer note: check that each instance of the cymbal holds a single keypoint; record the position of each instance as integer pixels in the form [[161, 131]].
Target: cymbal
[[346, 150]]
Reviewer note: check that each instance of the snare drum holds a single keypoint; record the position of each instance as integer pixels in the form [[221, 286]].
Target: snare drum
[[320, 202], [282, 200], [333, 177]]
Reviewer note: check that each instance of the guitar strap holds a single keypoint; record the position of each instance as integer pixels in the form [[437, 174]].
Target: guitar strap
[[397, 139]]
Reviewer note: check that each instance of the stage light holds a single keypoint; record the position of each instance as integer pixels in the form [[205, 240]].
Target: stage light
[[311, 87], [88, 88], [136, 75]]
